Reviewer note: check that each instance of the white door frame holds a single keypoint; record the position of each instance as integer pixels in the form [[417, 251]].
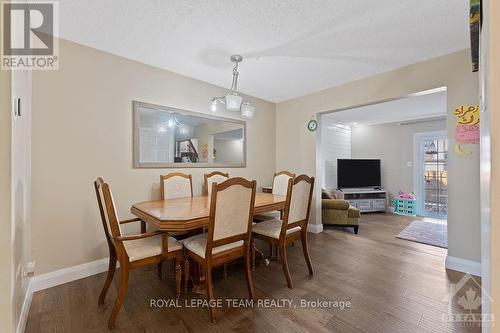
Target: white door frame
[[418, 163], [485, 162]]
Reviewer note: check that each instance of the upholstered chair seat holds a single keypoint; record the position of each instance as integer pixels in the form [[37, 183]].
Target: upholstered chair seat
[[198, 245], [148, 247], [272, 229], [276, 215]]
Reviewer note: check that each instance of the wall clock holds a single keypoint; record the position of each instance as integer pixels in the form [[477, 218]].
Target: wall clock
[[312, 125]]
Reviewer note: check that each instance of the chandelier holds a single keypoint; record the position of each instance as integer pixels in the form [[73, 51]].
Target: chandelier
[[232, 100]]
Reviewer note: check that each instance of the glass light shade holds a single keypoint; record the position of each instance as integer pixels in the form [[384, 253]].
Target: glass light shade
[[247, 110], [233, 102], [213, 105]]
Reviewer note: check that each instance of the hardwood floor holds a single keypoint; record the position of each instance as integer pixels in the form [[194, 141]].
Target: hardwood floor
[[393, 285]]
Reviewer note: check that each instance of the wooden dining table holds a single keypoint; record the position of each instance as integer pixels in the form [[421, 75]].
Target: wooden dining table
[[192, 213], [184, 214]]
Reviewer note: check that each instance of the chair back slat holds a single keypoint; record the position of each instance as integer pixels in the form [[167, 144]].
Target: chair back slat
[[280, 182], [213, 177], [231, 211], [176, 185]]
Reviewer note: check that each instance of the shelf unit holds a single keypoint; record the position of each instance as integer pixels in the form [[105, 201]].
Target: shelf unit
[[365, 199]]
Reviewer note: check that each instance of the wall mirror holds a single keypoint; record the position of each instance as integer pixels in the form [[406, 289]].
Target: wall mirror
[[166, 137]]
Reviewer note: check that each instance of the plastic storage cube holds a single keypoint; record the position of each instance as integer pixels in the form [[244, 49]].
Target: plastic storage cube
[[405, 206]]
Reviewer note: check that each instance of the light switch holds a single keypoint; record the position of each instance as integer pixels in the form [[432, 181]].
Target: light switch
[[17, 107]]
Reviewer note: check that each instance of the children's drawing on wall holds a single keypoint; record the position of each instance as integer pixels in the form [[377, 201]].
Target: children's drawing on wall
[[467, 128]]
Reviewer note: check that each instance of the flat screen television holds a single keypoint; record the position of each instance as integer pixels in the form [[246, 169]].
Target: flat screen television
[[354, 173]]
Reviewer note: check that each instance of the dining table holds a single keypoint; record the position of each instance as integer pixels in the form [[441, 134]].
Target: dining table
[[191, 214]]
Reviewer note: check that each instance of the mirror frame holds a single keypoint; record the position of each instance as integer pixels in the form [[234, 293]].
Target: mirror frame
[[137, 164]]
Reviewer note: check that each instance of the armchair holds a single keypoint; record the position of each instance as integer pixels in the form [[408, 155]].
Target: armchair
[[338, 213]]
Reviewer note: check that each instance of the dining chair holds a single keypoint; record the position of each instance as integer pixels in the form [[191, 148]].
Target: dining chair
[[131, 251], [229, 232], [176, 185], [294, 224], [280, 186], [213, 177]]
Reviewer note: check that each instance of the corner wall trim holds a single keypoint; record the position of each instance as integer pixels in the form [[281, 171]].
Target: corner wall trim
[[23, 318], [315, 228], [463, 265]]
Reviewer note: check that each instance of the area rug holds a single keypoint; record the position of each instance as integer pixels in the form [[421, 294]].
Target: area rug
[[426, 232]]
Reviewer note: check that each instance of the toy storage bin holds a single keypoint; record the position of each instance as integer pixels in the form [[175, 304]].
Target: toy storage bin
[[405, 206]]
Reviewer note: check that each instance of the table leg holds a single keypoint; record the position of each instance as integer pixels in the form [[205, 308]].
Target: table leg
[[196, 271]]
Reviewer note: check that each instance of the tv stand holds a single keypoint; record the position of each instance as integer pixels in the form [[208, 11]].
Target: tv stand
[[366, 199]]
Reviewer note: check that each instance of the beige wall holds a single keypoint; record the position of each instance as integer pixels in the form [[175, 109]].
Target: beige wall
[[295, 145], [6, 306], [82, 128], [493, 102], [393, 144]]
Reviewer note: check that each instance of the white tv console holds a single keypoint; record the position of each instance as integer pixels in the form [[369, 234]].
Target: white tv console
[[365, 199]]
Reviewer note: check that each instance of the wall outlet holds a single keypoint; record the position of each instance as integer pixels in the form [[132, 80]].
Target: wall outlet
[[409, 164], [29, 269]]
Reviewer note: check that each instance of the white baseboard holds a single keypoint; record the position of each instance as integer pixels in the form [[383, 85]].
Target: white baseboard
[[65, 275], [315, 228], [463, 265], [52, 279]]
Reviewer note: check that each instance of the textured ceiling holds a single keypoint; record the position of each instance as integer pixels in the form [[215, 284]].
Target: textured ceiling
[[416, 107], [291, 47]]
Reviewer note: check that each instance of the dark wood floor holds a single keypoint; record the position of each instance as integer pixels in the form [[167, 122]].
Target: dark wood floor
[[393, 285]]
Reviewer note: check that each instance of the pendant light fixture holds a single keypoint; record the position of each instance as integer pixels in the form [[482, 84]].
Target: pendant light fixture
[[233, 101]]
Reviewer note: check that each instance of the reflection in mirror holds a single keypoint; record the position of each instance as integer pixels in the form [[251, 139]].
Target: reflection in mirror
[[168, 137]]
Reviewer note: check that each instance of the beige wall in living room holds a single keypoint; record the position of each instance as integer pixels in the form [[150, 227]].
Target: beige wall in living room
[[295, 145], [82, 129], [393, 144]]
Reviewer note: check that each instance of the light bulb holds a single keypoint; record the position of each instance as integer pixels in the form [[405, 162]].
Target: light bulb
[[213, 105]]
